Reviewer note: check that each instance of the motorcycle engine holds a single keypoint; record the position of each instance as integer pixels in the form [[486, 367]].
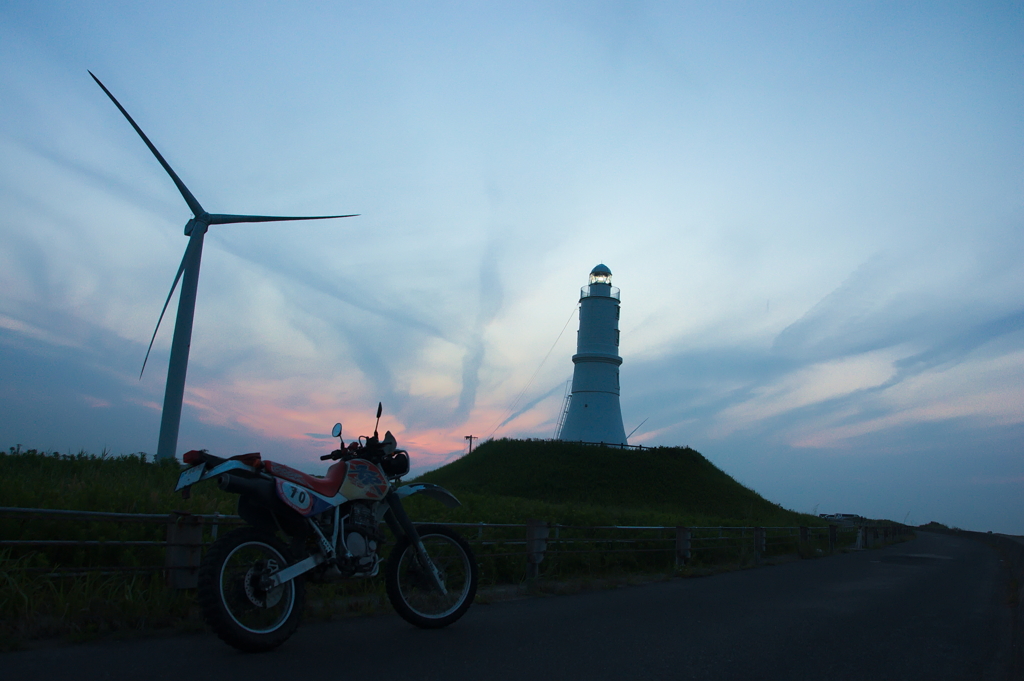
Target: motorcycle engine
[[361, 535]]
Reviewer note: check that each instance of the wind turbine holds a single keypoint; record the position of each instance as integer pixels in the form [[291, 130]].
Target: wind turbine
[[188, 273]]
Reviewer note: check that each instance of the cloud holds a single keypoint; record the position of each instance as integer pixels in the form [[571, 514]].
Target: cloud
[[959, 345], [877, 354], [33, 332], [530, 405], [489, 306], [821, 268]]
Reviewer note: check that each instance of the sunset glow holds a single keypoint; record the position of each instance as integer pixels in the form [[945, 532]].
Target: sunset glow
[[812, 210]]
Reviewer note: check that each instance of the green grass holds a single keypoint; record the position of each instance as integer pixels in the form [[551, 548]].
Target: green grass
[[574, 484], [504, 481], [34, 605], [124, 484], [85, 482], [512, 481]]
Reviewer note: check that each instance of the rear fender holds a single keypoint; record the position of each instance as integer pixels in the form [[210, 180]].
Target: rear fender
[[435, 492], [214, 471]]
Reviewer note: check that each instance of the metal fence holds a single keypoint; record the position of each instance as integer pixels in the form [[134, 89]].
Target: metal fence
[[184, 537], [528, 545], [611, 445]]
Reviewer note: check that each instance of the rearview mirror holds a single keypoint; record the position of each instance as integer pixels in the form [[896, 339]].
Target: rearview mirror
[[337, 430]]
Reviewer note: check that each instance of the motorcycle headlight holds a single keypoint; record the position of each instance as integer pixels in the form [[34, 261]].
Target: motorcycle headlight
[[397, 464]]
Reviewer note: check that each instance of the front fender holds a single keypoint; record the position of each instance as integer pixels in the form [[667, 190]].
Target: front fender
[[435, 492]]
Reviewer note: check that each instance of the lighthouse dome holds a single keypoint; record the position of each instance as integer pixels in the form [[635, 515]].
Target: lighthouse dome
[[601, 275]]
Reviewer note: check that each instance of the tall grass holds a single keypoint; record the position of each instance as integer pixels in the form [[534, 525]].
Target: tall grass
[[505, 481], [87, 482], [33, 605]]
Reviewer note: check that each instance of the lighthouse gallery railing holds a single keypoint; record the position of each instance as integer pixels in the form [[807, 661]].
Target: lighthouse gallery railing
[[585, 293]]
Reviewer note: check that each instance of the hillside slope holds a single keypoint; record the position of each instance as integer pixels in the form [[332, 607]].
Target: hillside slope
[[674, 481]]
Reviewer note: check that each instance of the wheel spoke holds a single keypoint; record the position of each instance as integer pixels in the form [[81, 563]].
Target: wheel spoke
[[236, 594], [247, 603], [416, 586]]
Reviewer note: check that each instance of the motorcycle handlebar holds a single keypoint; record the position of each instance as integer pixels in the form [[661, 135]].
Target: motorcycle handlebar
[[372, 447]]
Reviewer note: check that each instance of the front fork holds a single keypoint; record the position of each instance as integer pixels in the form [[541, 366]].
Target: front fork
[[400, 524]]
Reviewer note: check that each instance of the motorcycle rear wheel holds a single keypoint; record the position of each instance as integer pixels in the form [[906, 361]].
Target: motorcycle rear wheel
[[235, 605], [412, 592]]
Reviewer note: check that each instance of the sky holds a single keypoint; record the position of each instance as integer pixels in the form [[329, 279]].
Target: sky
[[813, 210]]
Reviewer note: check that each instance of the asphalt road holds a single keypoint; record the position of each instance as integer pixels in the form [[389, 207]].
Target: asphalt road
[[933, 608]]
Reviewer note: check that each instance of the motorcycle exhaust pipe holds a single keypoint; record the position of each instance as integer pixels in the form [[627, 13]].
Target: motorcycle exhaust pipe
[[256, 487]]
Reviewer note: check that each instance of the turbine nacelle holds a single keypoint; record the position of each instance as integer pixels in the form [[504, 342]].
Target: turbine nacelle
[[191, 224]]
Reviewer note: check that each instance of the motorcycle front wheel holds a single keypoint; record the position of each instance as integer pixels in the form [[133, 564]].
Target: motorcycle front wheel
[[233, 595], [411, 590]]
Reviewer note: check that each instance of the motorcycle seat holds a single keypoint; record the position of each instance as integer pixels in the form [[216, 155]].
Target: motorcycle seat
[[328, 486]]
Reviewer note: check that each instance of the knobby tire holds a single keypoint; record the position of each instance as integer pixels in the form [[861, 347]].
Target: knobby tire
[[232, 602], [411, 591]]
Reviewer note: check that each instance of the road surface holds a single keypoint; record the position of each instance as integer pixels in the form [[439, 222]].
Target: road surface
[[932, 608]]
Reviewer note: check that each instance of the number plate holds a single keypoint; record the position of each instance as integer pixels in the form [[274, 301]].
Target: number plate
[[190, 476], [297, 497]]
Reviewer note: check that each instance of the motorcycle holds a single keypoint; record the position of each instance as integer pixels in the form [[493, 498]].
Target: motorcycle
[[252, 583]]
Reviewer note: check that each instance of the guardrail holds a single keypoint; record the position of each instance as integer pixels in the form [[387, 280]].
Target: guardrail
[[186, 533], [535, 541]]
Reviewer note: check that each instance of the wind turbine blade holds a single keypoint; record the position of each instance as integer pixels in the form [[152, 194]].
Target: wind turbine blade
[[177, 277], [220, 219], [193, 205], [637, 428]]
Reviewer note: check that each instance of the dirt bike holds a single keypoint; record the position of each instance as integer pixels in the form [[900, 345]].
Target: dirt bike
[[252, 583]]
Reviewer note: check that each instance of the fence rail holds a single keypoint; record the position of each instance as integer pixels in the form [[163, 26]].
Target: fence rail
[[535, 541]]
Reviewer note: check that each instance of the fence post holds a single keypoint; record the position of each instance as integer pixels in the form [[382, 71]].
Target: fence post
[[536, 544], [184, 550], [805, 540], [682, 546], [833, 538], [758, 544]]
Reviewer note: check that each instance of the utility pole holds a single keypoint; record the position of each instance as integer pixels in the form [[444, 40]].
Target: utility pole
[[471, 438]]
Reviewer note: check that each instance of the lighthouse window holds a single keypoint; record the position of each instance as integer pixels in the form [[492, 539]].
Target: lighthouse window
[[616, 336], [617, 309]]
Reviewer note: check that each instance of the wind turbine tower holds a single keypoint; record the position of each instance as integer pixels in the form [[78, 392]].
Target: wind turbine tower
[[594, 414], [188, 274]]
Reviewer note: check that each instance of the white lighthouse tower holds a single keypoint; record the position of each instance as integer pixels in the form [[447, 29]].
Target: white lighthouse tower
[[594, 414]]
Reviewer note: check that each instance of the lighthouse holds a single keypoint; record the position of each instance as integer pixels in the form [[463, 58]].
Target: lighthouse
[[593, 413]]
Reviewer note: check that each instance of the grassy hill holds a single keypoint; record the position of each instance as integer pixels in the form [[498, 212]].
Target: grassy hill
[[573, 483], [502, 481]]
